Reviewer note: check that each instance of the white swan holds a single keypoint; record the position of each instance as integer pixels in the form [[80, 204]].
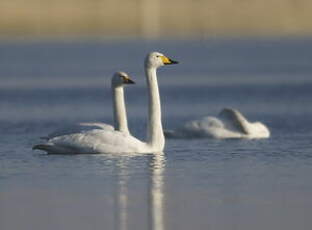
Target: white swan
[[119, 80], [230, 123], [108, 141]]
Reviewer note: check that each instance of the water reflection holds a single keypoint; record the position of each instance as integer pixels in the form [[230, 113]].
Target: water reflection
[[121, 197], [155, 187], [156, 192]]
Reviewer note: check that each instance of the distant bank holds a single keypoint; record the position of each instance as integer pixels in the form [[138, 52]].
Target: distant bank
[[155, 18]]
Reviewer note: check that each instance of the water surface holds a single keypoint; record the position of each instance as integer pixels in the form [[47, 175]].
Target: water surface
[[194, 184]]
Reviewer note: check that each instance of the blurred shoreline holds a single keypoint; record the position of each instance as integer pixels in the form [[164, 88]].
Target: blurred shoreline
[[157, 19], [121, 39]]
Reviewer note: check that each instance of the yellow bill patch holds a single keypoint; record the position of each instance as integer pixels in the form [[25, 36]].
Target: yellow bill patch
[[165, 60]]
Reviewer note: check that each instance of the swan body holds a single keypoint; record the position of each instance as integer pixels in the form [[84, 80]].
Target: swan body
[[114, 141], [119, 80], [94, 141], [230, 123]]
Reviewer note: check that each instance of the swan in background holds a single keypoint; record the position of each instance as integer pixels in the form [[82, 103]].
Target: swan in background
[[114, 141], [119, 80], [230, 123]]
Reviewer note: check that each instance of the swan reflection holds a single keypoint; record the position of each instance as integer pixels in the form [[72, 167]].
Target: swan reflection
[[156, 192], [155, 186], [121, 198]]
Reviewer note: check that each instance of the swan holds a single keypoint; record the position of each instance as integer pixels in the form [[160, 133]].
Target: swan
[[230, 123], [119, 80], [113, 141]]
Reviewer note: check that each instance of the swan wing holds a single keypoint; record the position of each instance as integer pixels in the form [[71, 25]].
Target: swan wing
[[97, 125], [78, 128]]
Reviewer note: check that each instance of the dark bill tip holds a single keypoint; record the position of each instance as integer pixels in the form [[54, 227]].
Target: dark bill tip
[[173, 62], [129, 81]]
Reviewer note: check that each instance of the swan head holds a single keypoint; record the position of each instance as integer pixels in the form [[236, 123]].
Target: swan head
[[120, 79], [260, 130], [156, 59]]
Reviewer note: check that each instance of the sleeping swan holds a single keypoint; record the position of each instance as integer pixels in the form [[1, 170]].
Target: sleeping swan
[[119, 80], [114, 141], [230, 123]]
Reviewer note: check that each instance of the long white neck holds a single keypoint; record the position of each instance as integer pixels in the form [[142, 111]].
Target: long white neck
[[120, 113], [155, 136]]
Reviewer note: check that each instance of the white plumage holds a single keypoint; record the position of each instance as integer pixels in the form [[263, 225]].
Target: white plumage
[[107, 141]]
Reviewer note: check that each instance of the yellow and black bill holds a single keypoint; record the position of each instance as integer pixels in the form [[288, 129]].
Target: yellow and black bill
[[168, 61]]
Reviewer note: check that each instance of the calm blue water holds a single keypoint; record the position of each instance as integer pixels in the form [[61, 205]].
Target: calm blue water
[[195, 184]]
